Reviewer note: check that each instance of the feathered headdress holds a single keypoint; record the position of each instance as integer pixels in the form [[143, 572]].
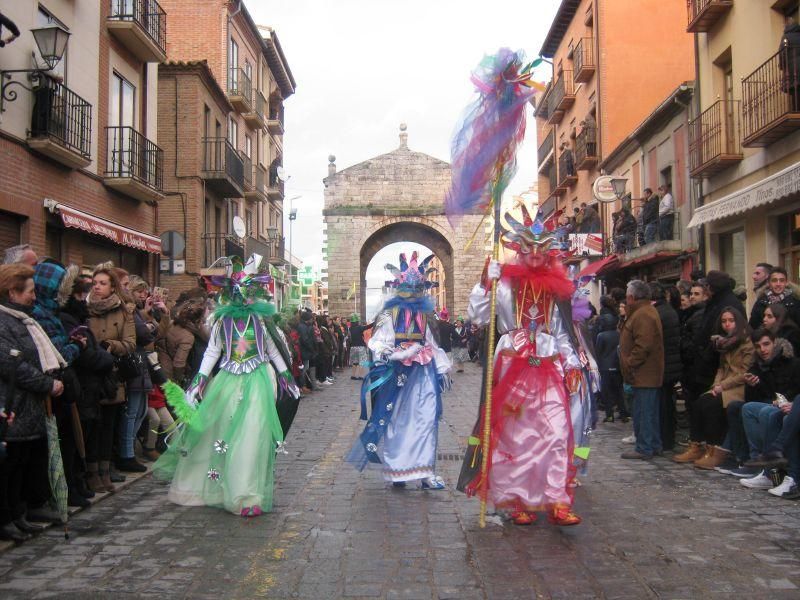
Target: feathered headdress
[[411, 279], [242, 282]]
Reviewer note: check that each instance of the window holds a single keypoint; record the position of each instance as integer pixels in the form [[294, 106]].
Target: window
[[249, 223], [666, 176], [43, 19], [789, 243], [248, 70], [206, 120], [731, 254], [233, 132], [233, 64], [121, 114], [248, 147], [122, 109]]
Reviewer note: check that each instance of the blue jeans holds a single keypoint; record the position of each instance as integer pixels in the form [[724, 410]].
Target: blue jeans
[[762, 424], [650, 231], [788, 441], [736, 440], [646, 408], [135, 411]]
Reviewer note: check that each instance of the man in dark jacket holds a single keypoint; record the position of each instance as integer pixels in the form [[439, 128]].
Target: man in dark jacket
[[606, 349], [778, 291], [650, 216], [308, 345], [673, 367], [689, 351]]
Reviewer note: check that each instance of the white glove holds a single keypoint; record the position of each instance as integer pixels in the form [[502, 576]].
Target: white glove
[[191, 398], [406, 353], [494, 270]]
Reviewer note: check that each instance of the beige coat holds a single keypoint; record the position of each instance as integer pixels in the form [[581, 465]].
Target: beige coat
[[641, 346], [732, 367]]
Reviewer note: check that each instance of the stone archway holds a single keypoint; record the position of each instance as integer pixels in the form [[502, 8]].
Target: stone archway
[[406, 231]]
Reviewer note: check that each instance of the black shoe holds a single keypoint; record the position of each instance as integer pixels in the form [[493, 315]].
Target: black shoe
[[768, 460], [44, 514], [83, 489], [9, 533], [116, 477], [76, 499], [23, 525], [130, 465]]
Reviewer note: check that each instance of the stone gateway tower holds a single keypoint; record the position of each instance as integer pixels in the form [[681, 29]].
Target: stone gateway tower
[[395, 197]]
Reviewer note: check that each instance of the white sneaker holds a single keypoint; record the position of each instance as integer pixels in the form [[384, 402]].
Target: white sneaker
[[759, 482], [786, 485], [326, 382], [631, 439]]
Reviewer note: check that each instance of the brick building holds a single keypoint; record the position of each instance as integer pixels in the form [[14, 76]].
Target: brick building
[[81, 168], [222, 94]]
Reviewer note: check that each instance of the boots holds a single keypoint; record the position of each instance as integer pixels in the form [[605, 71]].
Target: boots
[[105, 476], [695, 451], [93, 479], [714, 457]]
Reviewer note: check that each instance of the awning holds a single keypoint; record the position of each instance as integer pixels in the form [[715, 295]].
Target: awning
[[124, 236], [649, 259], [766, 191], [599, 267]]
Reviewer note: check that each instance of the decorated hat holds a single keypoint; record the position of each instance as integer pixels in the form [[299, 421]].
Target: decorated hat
[[533, 236], [242, 282], [444, 315], [411, 279]]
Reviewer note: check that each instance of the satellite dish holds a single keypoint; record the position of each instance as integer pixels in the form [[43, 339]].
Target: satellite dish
[[238, 227], [281, 173]]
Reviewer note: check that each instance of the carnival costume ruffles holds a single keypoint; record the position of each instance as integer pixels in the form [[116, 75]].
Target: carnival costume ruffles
[[406, 382], [225, 452]]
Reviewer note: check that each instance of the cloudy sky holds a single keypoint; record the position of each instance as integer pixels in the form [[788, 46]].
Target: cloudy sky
[[364, 66]]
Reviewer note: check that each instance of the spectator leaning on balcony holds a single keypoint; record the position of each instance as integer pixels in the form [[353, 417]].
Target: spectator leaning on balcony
[[650, 216], [590, 223], [666, 212], [624, 230]]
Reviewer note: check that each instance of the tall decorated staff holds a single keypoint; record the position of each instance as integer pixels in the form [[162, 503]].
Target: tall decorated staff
[[483, 156]]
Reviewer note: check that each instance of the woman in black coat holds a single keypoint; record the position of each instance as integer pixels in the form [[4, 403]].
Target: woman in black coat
[[26, 380]]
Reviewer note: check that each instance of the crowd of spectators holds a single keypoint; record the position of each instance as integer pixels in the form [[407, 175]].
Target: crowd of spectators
[[737, 376], [654, 220]]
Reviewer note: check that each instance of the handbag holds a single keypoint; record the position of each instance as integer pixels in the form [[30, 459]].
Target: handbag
[[129, 366]]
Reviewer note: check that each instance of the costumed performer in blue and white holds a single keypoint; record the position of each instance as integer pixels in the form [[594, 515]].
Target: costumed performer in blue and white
[[224, 455], [406, 381]]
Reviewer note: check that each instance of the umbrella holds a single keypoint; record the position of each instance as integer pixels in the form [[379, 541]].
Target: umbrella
[[77, 432], [58, 481]]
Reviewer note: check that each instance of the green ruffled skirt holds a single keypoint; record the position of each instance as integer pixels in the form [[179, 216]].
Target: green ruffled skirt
[[226, 458]]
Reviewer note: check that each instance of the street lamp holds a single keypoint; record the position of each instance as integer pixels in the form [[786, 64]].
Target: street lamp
[[292, 219], [52, 42]]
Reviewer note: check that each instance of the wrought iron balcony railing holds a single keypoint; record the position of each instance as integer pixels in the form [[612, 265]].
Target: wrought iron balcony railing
[[217, 244], [546, 148], [147, 14], [583, 60], [561, 97], [586, 148], [240, 89], [221, 162], [247, 173], [567, 175], [771, 99], [703, 14], [62, 116], [714, 139], [132, 155]]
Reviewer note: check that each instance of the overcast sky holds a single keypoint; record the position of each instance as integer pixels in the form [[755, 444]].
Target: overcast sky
[[364, 66]]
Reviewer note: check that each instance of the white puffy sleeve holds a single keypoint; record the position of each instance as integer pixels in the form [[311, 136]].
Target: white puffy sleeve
[[213, 350], [443, 364], [480, 302], [569, 355], [274, 354], [382, 340]]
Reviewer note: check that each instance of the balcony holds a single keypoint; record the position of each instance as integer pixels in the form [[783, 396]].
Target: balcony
[[552, 176], [247, 170], [134, 165], [279, 256], [583, 61], [258, 191], [223, 168], [240, 90], [275, 122], [771, 99], [714, 139], [61, 126], [703, 14], [635, 249], [567, 175], [256, 118], [141, 25], [264, 248], [275, 189], [586, 149], [544, 154], [561, 97], [217, 245]]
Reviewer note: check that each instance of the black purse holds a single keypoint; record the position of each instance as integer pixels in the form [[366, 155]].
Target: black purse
[[129, 366]]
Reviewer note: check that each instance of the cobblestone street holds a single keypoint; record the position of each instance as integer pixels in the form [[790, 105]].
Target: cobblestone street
[[651, 530]]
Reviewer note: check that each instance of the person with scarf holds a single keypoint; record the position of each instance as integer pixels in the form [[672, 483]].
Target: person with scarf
[[28, 364], [406, 381], [537, 375], [112, 324], [708, 420], [459, 336], [778, 291], [224, 455], [778, 321]]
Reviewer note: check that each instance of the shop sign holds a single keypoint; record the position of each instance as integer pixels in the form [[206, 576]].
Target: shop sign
[[118, 234], [764, 192], [583, 244]]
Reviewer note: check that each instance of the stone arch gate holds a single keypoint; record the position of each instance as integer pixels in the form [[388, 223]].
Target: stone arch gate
[[395, 197]]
